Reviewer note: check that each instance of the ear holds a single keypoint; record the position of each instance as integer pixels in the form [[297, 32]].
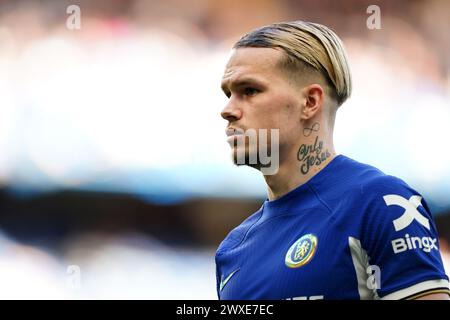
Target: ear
[[314, 98]]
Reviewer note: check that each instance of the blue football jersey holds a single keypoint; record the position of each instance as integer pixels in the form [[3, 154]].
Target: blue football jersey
[[350, 232]]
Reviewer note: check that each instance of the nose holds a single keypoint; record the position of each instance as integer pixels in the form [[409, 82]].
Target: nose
[[231, 112]]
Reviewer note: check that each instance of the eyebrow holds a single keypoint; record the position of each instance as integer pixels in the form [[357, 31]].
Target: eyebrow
[[239, 82]]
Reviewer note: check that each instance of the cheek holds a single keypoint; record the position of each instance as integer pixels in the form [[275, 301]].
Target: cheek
[[290, 125], [288, 113], [278, 105], [275, 111], [276, 101]]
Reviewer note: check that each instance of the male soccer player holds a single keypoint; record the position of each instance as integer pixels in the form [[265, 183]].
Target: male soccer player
[[332, 227]]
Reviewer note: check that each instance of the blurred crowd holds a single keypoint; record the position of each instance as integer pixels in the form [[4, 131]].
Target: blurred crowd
[[98, 266]]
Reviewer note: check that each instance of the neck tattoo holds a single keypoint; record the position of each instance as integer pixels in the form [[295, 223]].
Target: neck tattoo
[[311, 155]]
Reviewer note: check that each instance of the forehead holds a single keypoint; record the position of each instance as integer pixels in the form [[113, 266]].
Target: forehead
[[260, 62]]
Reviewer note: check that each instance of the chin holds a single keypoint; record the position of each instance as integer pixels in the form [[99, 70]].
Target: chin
[[247, 157]]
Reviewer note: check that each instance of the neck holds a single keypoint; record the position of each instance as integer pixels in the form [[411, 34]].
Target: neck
[[300, 164]]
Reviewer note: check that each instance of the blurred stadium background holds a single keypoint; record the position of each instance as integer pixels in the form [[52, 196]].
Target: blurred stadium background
[[113, 157]]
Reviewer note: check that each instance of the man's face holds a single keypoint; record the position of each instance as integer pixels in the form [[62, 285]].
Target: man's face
[[261, 96]]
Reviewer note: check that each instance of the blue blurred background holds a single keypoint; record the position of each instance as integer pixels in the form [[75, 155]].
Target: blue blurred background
[[113, 156]]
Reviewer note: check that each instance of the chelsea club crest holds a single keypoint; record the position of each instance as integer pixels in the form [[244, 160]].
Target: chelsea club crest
[[302, 251]]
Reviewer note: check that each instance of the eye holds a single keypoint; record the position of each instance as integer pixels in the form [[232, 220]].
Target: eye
[[228, 94], [249, 91]]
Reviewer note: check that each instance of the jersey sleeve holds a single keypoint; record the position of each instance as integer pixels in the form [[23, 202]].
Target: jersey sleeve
[[401, 240]]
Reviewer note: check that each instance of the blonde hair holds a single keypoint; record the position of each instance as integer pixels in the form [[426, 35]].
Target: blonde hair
[[307, 45]]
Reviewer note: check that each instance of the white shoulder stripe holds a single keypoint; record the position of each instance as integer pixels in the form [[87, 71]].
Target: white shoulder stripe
[[361, 263], [417, 288]]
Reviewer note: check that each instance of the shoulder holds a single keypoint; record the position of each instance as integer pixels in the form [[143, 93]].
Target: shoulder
[[353, 190], [387, 206], [380, 186], [378, 197], [370, 183], [382, 191]]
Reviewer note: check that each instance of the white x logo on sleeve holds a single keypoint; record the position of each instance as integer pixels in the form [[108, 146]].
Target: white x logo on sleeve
[[411, 213]]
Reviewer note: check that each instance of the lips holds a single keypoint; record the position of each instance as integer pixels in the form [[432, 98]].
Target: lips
[[233, 135], [233, 132]]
